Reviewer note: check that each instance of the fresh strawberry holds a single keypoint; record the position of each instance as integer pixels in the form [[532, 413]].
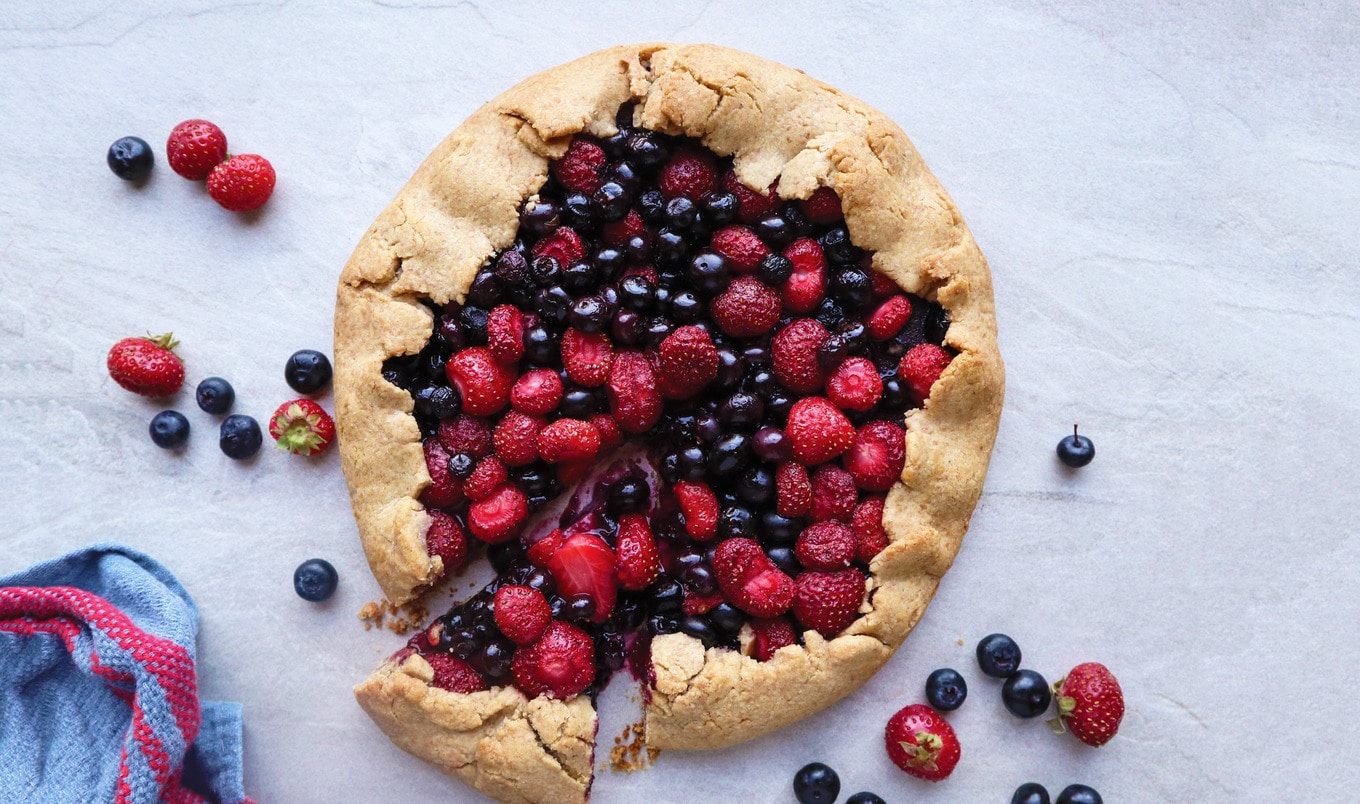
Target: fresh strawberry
[[542, 550], [483, 383], [876, 457], [586, 357], [537, 392], [818, 430], [563, 245], [793, 355], [568, 440], [793, 489], [446, 538], [634, 399], [638, 561], [825, 546], [194, 148], [750, 580], [242, 183], [700, 508], [444, 489], [302, 427], [618, 233], [806, 288], [741, 247], [486, 477], [454, 674], [889, 318], [833, 494], [696, 604], [559, 665], [921, 366], [828, 601], [505, 333], [583, 564], [579, 168], [147, 366], [522, 613], [467, 434], [823, 207], [610, 435], [751, 205], [690, 173], [748, 307], [497, 517], [883, 284], [1090, 703], [922, 743], [870, 535], [855, 385], [769, 636], [687, 361], [516, 438]]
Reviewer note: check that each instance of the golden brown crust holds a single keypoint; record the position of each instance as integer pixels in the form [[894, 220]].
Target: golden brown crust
[[460, 207]]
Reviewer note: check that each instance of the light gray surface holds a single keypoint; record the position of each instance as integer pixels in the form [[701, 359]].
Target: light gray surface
[[1168, 198]]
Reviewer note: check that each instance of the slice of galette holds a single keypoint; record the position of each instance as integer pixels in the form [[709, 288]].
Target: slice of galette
[[696, 350]]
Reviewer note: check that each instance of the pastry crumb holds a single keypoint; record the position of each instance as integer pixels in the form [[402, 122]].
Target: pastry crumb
[[960, 641], [397, 619], [631, 752]]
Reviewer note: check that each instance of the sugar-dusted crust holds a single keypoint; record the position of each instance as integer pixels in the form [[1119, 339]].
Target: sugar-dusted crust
[[460, 207]]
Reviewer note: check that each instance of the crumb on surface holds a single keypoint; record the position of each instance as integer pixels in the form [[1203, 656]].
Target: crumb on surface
[[397, 619], [630, 751], [960, 641]]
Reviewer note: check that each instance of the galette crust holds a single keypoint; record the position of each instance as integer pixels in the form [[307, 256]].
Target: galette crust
[[461, 207]]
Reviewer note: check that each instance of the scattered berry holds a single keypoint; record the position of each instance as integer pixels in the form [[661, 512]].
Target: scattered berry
[[827, 602], [865, 798], [194, 148], [870, 535], [587, 357], [816, 783], [1076, 450], [700, 508], [921, 366], [302, 427], [998, 656], [819, 430], [560, 665], [240, 437], [522, 613], [497, 517], [315, 580], [1090, 703], [687, 361], [1026, 694], [169, 429], [483, 383], [748, 307], [793, 355], [242, 183], [1030, 793], [1079, 794], [537, 392], [446, 538], [215, 395], [307, 371], [946, 689], [877, 455], [855, 385], [769, 636], [825, 546], [922, 743], [454, 674], [638, 561], [147, 366], [130, 159]]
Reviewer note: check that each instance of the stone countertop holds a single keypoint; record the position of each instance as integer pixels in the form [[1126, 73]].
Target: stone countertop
[[1168, 197]]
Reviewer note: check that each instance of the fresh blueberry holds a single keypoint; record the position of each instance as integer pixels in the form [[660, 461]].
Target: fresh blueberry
[[307, 371], [240, 436], [1079, 794], [215, 395], [130, 159], [315, 580], [816, 783], [169, 429], [1030, 793], [1076, 450], [1026, 694], [946, 689], [998, 655], [864, 798]]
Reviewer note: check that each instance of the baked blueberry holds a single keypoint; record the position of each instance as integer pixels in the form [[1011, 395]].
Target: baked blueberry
[[1026, 694], [309, 371], [169, 429], [1076, 450], [240, 437], [315, 580], [1079, 794], [946, 689], [816, 783], [130, 158], [1030, 793], [998, 656]]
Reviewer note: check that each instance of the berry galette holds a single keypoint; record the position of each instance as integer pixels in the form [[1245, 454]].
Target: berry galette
[[699, 355]]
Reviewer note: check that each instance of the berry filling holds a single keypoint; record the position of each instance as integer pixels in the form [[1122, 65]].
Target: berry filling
[[673, 405]]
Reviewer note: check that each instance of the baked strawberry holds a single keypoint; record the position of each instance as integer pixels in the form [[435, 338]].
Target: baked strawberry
[[568, 440], [690, 174], [922, 743], [883, 285], [877, 456], [454, 674], [697, 603], [748, 307], [687, 361], [793, 489], [483, 383], [889, 318], [823, 207], [194, 148], [537, 392], [1090, 704], [542, 550], [302, 427], [561, 664], [855, 385], [828, 601], [486, 477], [636, 554], [579, 168], [870, 535], [819, 430], [833, 494], [563, 245], [750, 581], [444, 489], [700, 508], [147, 366], [466, 434], [497, 517], [793, 355], [610, 435], [769, 635], [921, 366], [586, 357], [446, 538], [751, 205], [741, 247], [505, 333], [522, 613], [242, 183], [619, 232], [634, 399], [583, 564], [516, 438], [825, 546], [806, 288]]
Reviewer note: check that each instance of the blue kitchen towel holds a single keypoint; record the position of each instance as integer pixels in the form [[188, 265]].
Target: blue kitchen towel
[[98, 692]]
